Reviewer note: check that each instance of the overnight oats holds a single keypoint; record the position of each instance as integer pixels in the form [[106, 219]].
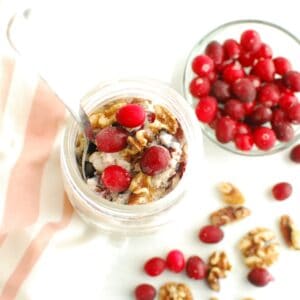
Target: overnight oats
[[139, 154]]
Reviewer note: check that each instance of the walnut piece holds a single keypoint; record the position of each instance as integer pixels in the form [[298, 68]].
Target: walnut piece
[[231, 194], [228, 215], [259, 248], [175, 291], [218, 267], [289, 232]]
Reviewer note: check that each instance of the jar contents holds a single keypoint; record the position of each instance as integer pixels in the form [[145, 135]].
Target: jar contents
[[139, 154]]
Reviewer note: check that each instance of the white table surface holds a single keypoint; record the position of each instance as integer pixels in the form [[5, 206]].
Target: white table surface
[[101, 40]]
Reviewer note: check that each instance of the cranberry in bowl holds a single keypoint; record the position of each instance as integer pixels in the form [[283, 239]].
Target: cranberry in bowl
[[243, 80], [146, 138]]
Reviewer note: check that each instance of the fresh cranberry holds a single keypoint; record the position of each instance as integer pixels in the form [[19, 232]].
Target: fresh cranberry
[[212, 76], [294, 113], [282, 65], [260, 115], [235, 109], [292, 80], [206, 109], [231, 49], [249, 107], [145, 292], [232, 72], [111, 139], [196, 268], [213, 123], [269, 95], [199, 86], [278, 116], [131, 115], [287, 100], [155, 266], [250, 40], [202, 65], [244, 89], [175, 261], [220, 68], [264, 69], [225, 129], [155, 160], [264, 138], [221, 90], [284, 131], [246, 59], [211, 234], [116, 179], [282, 87], [295, 154], [255, 80], [244, 142], [242, 128], [265, 51], [260, 277], [151, 117], [215, 51], [281, 191]]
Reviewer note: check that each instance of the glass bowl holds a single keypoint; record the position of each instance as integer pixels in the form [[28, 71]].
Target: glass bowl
[[282, 42]]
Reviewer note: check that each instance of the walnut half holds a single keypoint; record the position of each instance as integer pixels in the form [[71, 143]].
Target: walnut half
[[228, 215], [231, 194], [289, 232], [175, 291]]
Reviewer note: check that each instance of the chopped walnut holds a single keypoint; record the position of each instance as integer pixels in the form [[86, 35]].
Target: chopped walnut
[[290, 234], [231, 194], [175, 291], [228, 215], [80, 145], [218, 267], [259, 248]]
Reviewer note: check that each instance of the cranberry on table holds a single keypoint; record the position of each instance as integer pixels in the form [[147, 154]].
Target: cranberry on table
[[260, 277], [155, 266], [225, 130], [206, 109], [291, 80], [284, 131], [175, 261], [244, 89], [231, 49], [211, 234], [196, 268], [232, 72], [244, 142], [111, 139], [221, 90], [265, 51], [250, 40], [282, 191], [116, 179], [264, 69], [264, 138], [295, 154], [145, 291], [235, 109], [200, 86], [282, 65], [269, 95], [293, 113], [215, 51], [131, 115], [202, 65]]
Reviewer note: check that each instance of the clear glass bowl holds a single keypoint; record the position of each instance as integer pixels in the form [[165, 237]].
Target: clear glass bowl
[[130, 219], [282, 42]]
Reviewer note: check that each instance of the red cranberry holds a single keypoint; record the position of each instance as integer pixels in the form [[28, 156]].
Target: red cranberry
[[155, 266], [291, 79], [215, 51], [282, 65], [213, 123], [281, 191], [244, 89], [278, 116], [294, 113], [246, 59], [265, 51], [175, 261], [211, 234], [220, 68], [231, 49], [116, 179], [202, 65], [260, 277], [284, 131], [196, 268], [244, 142], [282, 87], [232, 72], [111, 139], [151, 117], [206, 109], [264, 138], [212, 76], [295, 154], [287, 100], [221, 90], [199, 86], [260, 115], [155, 160], [145, 292], [250, 40], [131, 115], [249, 107], [235, 109], [242, 128], [264, 69], [255, 80], [269, 95], [225, 129]]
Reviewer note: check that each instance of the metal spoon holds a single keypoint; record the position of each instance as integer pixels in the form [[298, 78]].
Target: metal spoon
[[75, 108]]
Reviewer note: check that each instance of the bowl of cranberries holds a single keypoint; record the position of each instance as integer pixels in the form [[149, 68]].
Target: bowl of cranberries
[[243, 80]]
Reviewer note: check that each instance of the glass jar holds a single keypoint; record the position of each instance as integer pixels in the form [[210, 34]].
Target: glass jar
[[120, 218]]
